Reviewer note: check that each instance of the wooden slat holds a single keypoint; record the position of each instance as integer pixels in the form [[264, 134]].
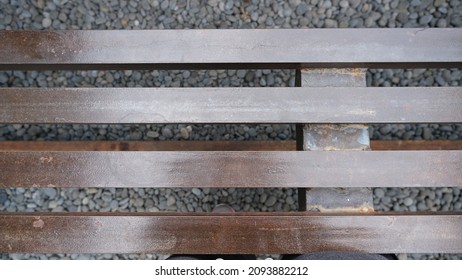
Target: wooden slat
[[231, 105], [180, 49], [388, 145], [288, 145], [231, 169], [147, 146], [259, 233]]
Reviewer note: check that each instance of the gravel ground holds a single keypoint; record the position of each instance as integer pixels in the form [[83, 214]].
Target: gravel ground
[[153, 14]]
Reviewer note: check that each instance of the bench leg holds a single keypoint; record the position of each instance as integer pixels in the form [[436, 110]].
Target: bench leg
[[337, 137]]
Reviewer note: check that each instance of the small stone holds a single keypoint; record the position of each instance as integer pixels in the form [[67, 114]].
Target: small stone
[[330, 23], [402, 17], [52, 204], [139, 202], [164, 5], [241, 73], [46, 22], [184, 133], [41, 4], [3, 197], [114, 205], [327, 4], [171, 200], [263, 197], [152, 134], [271, 201], [197, 192], [425, 19], [379, 192], [344, 3], [229, 5], [50, 192], [438, 3], [3, 78], [167, 132], [427, 133], [301, 9], [85, 201], [107, 197], [408, 201], [442, 23], [290, 200], [408, 135], [212, 3]]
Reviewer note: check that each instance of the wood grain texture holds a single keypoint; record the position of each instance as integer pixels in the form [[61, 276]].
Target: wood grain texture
[[191, 145], [246, 233], [231, 169], [231, 105], [275, 48]]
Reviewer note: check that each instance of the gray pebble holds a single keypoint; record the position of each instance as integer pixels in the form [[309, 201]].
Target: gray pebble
[[425, 19], [3, 197], [3, 78], [184, 133], [52, 204], [344, 3], [271, 201], [378, 192], [301, 9], [330, 23], [46, 22], [152, 134], [408, 201], [167, 132], [171, 200], [50, 192]]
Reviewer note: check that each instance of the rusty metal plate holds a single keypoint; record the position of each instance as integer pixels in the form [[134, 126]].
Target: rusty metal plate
[[345, 77], [336, 137]]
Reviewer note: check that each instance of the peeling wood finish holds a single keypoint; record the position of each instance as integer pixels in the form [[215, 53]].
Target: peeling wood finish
[[231, 169], [259, 233], [231, 105], [185, 49]]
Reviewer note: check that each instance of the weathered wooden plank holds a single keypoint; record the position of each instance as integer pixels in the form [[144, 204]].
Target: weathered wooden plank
[[231, 105], [148, 146], [259, 233], [387, 145], [231, 169], [289, 145], [180, 49]]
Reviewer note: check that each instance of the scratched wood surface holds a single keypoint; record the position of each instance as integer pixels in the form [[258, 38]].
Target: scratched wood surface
[[220, 49], [232, 169], [231, 105], [246, 233]]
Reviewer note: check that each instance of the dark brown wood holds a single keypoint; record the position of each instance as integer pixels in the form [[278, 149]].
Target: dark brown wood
[[230, 105], [147, 146], [259, 233], [387, 145], [289, 145], [231, 169], [275, 48]]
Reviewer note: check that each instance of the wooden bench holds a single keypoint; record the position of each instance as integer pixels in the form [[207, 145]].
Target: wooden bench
[[331, 107]]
